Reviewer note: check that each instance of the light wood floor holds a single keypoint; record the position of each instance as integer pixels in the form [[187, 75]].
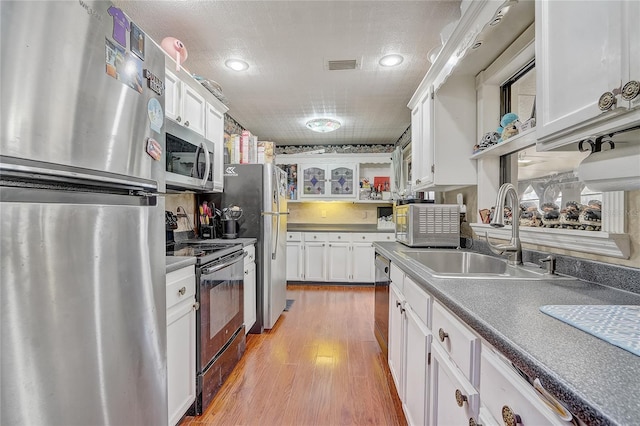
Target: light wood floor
[[320, 365]]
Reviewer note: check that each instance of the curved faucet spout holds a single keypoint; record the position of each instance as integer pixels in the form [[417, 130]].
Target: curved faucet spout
[[513, 249]]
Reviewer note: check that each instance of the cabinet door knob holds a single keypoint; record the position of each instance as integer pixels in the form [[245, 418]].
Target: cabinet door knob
[[442, 335], [178, 119], [182, 291], [418, 181], [509, 417], [460, 398], [402, 310], [630, 90], [398, 303], [186, 123], [472, 422], [607, 101]]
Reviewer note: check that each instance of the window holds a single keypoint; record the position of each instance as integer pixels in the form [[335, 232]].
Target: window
[[518, 94]]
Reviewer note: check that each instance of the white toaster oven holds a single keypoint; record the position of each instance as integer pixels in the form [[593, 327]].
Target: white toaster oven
[[428, 225]]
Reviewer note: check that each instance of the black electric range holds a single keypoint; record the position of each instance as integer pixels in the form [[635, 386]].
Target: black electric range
[[203, 251]]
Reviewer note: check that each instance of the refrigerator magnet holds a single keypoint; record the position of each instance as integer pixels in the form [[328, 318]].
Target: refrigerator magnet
[[154, 149], [120, 25], [137, 41], [156, 115]]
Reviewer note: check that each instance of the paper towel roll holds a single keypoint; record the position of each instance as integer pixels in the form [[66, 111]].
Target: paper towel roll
[[612, 170]]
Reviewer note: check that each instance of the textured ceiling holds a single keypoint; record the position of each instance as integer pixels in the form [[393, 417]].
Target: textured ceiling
[[287, 45]]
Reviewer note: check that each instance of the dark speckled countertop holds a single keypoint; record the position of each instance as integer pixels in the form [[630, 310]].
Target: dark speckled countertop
[[597, 381]]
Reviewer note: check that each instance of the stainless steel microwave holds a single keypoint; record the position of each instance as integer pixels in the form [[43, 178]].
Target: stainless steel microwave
[[428, 225], [189, 159]]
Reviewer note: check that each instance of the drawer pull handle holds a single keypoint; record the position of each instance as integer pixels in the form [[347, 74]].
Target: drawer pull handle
[[182, 291], [442, 335], [509, 417], [606, 101], [460, 398], [630, 90]]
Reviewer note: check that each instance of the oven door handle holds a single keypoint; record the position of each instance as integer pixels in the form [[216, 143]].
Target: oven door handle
[[227, 262]]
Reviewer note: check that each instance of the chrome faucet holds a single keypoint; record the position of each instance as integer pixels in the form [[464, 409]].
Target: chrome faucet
[[513, 249]]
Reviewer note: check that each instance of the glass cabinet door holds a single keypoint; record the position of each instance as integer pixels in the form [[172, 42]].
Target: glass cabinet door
[[314, 181], [342, 182]]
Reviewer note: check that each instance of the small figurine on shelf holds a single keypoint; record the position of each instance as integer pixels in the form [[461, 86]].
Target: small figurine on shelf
[[488, 140], [551, 215], [591, 217], [508, 215], [530, 216], [570, 215], [509, 126]]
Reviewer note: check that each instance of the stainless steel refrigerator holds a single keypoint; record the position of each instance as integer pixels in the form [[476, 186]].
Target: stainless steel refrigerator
[[83, 333], [260, 189]]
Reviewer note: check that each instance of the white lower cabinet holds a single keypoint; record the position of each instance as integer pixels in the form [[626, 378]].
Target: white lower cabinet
[[315, 260], [363, 266], [249, 289], [295, 267], [505, 394], [332, 257], [339, 262], [453, 399], [409, 346], [444, 374], [418, 347], [397, 328], [181, 342]]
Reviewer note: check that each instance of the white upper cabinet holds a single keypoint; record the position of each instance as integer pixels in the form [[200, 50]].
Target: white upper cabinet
[[446, 124], [172, 86], [192, 109], [183, 103], [585, 55]]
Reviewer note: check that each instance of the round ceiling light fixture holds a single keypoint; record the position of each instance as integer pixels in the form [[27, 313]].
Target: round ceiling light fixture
[[323, 125], [391, 60], [237, 64]]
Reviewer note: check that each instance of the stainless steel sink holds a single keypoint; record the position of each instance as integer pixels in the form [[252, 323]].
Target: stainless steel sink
[[465, 264]]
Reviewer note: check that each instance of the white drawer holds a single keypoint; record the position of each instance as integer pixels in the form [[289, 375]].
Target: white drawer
[[397, 277], [500, 386], [251, 254], [364, 236], [340, 237], [315, 236], [385, 236], [458, 340], [418, 299], [181, 285], [294, 236]]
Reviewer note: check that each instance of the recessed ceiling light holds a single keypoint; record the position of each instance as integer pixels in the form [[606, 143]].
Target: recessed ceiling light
[[237, 64], [391, 60], [323, 125]]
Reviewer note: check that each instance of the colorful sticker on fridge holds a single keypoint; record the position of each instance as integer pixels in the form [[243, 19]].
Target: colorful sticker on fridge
[[156, 115], [154, 83], [120, 25], [137, 41], [154, 149], [123, 66]]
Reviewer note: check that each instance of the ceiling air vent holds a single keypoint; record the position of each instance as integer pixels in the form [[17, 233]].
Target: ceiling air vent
[[347, 64]]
